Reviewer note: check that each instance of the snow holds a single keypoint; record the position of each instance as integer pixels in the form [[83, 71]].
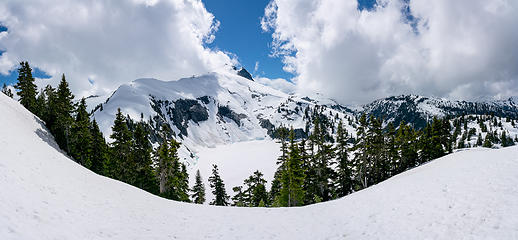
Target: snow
[[466, 195], [236, 162]]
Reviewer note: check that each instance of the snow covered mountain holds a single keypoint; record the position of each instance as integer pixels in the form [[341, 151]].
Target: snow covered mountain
[[45, 195], [216, 109], [418, 110]]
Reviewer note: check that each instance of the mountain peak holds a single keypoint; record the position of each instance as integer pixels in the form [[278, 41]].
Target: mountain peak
[[244, 73]]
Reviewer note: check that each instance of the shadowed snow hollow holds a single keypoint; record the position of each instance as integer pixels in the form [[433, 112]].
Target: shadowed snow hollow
[[466, 195]]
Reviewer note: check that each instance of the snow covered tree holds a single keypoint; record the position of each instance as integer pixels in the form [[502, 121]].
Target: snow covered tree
[[26, 88], [218, 188], [7, 91], [198, 195]]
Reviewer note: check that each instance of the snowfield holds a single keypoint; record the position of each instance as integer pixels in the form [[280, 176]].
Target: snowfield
[[236, 162], [471, 194]]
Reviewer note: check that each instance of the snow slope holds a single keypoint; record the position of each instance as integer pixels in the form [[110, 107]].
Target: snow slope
[[470, 194]]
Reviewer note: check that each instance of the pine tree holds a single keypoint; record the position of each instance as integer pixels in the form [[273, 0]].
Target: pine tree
[[198, 195], [324, 176], [41, 105], [391, 152], [64, 120], [255, 191], [50, 111], [81, 138], [344, 172], [145, 177], [218, 188], [7, 91], [479, 140], [361, 160], [26, 88], [292, 177], [120, 163], [99, 149], [173, 176], [239, 197], [487, 141]]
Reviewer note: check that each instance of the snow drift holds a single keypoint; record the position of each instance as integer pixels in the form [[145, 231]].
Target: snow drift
[[466, 195]]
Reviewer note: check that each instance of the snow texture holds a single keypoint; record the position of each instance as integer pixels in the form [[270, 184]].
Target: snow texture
[[466, 195]]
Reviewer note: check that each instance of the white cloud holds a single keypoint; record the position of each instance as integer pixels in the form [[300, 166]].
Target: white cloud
[[277, 83], [463, 49], [110, 42]]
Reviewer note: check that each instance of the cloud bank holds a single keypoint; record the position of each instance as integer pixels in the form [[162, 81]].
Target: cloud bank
[[462, 49], [102, 44]]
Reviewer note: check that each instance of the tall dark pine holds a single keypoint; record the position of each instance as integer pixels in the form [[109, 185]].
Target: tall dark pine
[[218, 188], [198, 190], [120, 164], [292, 178], [27, 90], [324, 175], [257, 189], [344, 182], [361, 159], [173, 178], [81, 139], [99, 149], [145, 177], [64, 120]]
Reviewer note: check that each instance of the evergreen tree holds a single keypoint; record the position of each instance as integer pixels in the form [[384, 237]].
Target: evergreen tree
[[344, 172], [479, 140], [292, 177], [26, 88], [120, 164], [323, 174], [198, 195], [239, 197], [406, 144], [172, 173], [487, 141], [145, 177], [218, 188], [64, 120], [81, 140], [99, 149], [41, 105], [282, 134], [50, 112], [7, 91], [361, 160], [391, 152]]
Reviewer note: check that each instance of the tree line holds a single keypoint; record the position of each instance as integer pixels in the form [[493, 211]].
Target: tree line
[[326, 164]]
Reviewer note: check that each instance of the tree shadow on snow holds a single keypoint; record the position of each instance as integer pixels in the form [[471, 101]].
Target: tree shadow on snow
[[47, 137]]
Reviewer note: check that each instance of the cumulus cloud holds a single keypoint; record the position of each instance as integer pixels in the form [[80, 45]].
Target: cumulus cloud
[[102, 44], [459, 49], [280, 84]]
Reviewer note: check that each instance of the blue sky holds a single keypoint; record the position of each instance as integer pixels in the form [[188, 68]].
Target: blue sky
[[240, 33]]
